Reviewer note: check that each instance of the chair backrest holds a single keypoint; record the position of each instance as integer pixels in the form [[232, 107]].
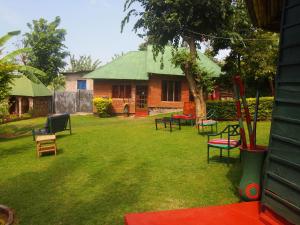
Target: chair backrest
[[211, 114], [58, 123], [234, 130]]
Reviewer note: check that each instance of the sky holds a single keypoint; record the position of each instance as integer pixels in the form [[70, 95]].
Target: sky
[[93, 26]]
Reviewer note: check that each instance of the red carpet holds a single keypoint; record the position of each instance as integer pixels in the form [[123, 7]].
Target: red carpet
[[246, 213]]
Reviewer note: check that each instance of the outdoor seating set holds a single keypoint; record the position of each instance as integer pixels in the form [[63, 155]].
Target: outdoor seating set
[[45, 137], [227, 139]]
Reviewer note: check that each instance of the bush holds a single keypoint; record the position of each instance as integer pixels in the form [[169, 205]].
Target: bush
[[3, 110], [226, 110], [103, 106]]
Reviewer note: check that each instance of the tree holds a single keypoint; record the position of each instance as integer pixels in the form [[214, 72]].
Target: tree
[[48, 51], [253, 53], [84, 63], [57, 83], [9, 66], [117, 56], [168, 22]]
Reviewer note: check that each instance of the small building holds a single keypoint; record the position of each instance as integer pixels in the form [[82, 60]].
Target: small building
[[28, 96], [137, 80], [75, 81]]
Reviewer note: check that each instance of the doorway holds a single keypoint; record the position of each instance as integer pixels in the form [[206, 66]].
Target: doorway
[[141, 95]]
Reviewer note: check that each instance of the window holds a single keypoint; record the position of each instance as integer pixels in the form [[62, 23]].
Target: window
[[171, 91], [81, 84], [121, 91]]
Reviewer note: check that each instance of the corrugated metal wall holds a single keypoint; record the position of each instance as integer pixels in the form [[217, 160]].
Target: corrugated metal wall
[[281, 191]]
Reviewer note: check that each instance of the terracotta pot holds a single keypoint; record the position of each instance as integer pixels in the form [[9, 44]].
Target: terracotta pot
[[8, 215]]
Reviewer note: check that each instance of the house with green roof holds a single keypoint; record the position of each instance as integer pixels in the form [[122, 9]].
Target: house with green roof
[[26, 95], [137, 81]]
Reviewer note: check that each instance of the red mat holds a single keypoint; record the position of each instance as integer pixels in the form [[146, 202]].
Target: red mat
[[246, 213]]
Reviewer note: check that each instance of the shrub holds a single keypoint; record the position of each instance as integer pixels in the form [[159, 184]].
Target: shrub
[[103, 106], [226, 110], [3, 110]]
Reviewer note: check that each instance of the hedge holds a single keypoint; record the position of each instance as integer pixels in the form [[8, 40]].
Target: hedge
[[103, 106], [226, 109]]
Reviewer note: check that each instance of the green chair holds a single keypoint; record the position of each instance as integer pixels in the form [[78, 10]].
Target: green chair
[[227, 140], [54, 124], [208, 122]]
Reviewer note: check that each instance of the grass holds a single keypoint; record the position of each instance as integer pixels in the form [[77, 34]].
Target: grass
[[109, 167]]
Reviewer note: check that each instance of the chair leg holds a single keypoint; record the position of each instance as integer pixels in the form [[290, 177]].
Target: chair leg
[[221, 153], [198, 129], [228, 152], [207, 153]]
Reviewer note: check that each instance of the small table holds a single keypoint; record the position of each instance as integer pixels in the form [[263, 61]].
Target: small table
[[45, 143], [168, 120]]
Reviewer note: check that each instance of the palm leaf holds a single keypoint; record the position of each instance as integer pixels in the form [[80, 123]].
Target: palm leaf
[[13, 54], [8, 36]]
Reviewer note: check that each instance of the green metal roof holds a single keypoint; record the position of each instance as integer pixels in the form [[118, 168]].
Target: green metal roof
[[138, 64], [131, 66], [22, 86], [153, 66]]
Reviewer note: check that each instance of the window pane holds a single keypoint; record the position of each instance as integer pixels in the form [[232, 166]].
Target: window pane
[[115, 91], [122, 91], [81, 84], [164, 90], [171, 91], [177, 91], [128, 91]]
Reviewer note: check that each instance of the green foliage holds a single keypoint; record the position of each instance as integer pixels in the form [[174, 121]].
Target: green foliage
[[103, 106], [84, 63], [4, 106], [181, 58], [48, 51], [57, 83], [9, 66], [177, 23], [226, 109], [254, 52]]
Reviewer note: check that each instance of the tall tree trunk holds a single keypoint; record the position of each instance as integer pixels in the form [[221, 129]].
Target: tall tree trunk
[[197, 91]]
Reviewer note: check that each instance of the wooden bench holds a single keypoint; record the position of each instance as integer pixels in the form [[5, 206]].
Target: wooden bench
[[45, 143]]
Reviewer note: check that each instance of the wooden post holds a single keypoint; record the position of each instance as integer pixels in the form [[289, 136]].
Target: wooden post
[[19, 106]]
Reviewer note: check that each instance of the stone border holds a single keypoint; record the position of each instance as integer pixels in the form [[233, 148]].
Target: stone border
[[9, 213]]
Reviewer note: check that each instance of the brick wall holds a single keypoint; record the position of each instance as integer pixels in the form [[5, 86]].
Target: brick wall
[[42, 106], [103, 88], [155, 89]]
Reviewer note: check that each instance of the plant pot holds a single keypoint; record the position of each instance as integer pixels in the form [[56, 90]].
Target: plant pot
[[250, 184], [6, 215]]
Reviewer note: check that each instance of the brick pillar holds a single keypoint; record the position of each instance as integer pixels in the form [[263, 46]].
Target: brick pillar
[[19, 106]]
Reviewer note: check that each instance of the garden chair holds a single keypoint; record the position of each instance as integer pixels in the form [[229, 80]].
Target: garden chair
[[54, 124], [226, 141], [207, 122]]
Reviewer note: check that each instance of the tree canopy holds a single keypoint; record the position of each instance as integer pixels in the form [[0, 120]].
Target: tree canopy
[[47, 48], [9, 66], [253, 52], [173, 22], [83, 63]]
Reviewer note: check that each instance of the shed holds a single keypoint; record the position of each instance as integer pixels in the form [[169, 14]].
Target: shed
[[29, 96]]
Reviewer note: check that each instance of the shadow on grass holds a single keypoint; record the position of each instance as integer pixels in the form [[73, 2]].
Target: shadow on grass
[[234, 172], [47, 197]]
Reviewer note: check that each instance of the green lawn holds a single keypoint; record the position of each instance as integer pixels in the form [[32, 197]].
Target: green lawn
[[109, 167]]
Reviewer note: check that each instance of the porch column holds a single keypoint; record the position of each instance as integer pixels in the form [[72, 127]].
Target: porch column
[[30, 100], [20, 106]]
